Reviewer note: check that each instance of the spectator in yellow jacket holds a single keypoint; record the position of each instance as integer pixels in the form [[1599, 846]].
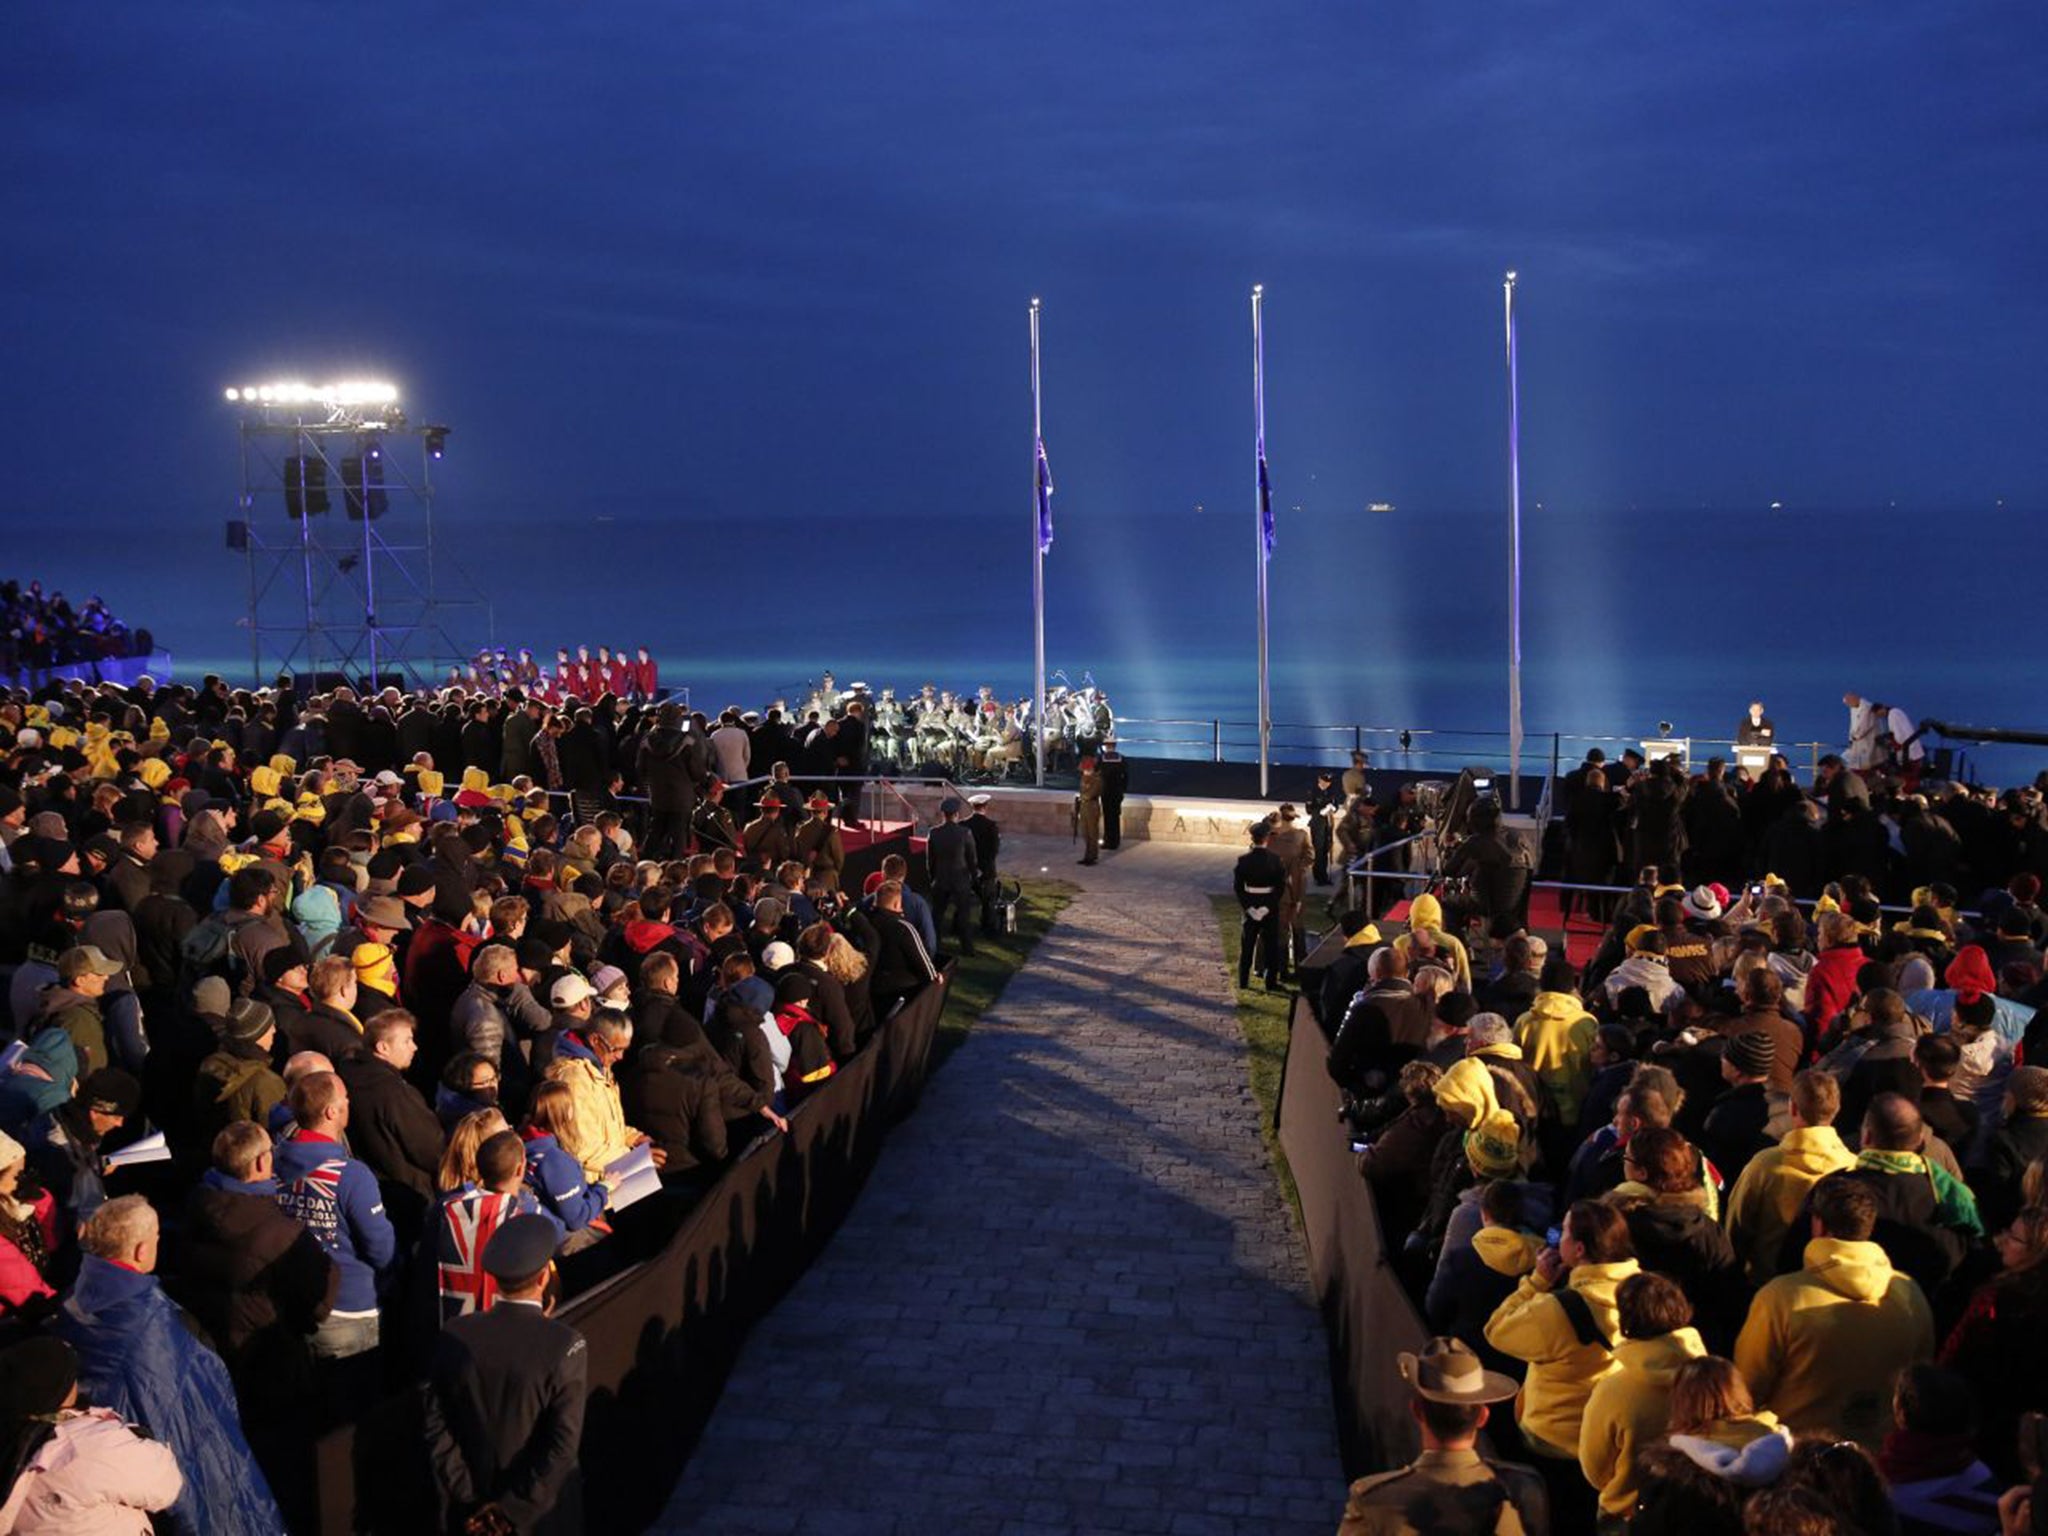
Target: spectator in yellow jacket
[[1823, 1346], [1631, 1409], [1563, 1321], [1556, 1037], [1426, 942], [1767, 1198]]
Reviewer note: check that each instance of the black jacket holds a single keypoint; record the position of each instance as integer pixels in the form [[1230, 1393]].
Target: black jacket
[[903, 968], [394, 1130], [950, 857], [674, 1097], [504, 1416], [671, 769], [259, 1283]]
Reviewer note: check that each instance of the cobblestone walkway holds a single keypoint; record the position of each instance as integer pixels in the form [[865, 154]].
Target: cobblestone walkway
[[1071, 1298]]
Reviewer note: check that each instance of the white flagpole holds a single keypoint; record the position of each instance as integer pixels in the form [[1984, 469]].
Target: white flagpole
[[1037, 568], [1260, 493], [1514, 557]]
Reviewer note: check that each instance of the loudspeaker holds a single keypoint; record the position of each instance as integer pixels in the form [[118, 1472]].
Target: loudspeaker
[[238, 535], [362, 483], [305, 485]]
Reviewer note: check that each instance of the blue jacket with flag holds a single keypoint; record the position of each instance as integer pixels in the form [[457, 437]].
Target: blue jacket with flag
[[338, 1200], [137, 1358], [557, 1179]]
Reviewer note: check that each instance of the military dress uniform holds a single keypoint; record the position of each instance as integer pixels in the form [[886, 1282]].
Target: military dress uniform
[[504, 1404], [1116, 783], [1088, 815], [1440, 1493], [1450, 1489]]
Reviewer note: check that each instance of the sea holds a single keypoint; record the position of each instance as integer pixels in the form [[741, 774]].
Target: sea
[[1635, 622]]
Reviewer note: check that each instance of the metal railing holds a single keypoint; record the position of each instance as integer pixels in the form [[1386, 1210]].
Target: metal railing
[[1446, 750]]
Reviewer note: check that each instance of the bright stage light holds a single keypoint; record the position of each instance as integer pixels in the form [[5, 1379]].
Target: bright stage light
[[349, 392]]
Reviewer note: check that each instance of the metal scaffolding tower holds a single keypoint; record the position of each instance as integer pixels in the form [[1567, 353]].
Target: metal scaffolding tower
[[337, 528]]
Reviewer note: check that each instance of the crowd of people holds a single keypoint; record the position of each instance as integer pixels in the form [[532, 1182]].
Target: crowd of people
[[337, 1049], [39, 630], [1748, 1213]]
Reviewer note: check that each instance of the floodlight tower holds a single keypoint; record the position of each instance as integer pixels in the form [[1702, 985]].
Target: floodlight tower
[[358, 606]]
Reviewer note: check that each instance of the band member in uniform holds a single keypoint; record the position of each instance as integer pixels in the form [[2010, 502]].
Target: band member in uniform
[[1116, 782], [1450, 1486], [504, 1405], [1290, 845], [1088, 812], [988, 846]]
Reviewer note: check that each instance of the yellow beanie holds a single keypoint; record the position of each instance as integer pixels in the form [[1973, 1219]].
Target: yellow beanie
[[154, 772], [431, 780]]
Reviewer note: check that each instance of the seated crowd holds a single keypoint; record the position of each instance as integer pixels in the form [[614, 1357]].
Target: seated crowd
[[308, 1007], [38, 630], [1751, 1210]]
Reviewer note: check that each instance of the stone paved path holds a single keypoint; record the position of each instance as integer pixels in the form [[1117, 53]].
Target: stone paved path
[[1071, 1298]]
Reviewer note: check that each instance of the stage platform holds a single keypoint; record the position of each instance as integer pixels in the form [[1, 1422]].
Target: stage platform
[[1146, 818]]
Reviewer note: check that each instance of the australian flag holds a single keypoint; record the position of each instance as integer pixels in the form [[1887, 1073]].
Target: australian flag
[[1043, 473], [1266, 530]]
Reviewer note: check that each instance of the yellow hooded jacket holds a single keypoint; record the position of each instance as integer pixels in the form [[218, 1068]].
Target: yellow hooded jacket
[[1774, 1185], [1823, 1347], [1629, 1410], [1532, 1325], [1425, 911], [1556, 1037]]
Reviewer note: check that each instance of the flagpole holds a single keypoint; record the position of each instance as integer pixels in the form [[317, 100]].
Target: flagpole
[[1261, 515], [1514, 556], [1037, 564]]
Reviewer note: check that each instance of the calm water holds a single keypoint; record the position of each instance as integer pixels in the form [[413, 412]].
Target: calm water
[[1380, 620]]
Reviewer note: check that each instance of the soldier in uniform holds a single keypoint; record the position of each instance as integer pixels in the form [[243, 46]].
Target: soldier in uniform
[[817, 843], [1259, 880], [1088, 812], [504, 1406], [1116, 782], [1291, 846], [1450, 1486], [765, 839], [988, 845], [713, 823], [1324, 805]]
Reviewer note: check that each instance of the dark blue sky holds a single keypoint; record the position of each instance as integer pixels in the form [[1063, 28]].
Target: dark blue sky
[[691, 261]]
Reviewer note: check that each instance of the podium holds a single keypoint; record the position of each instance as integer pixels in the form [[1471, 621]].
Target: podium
[[1656, 749], [1754, 760]]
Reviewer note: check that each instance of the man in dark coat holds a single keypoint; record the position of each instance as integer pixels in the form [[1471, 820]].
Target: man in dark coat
[[988, 847], [672, 769], [391, 1126], [1735, 1127], [504, 1405], [904, 966], [954, 868], [259, 1283]]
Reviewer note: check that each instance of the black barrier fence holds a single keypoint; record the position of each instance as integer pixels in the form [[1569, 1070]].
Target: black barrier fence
[[663, 1335], [1368, 1314]]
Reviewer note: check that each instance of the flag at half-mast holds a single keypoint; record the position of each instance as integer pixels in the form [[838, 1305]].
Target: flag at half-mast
[[1266, 530], [1043, 472]]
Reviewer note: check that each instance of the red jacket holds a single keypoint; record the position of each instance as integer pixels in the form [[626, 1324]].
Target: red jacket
[[1830, 985], [644, 677]]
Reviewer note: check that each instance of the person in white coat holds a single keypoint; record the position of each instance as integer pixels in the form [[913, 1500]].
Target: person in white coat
[[83, 1472]]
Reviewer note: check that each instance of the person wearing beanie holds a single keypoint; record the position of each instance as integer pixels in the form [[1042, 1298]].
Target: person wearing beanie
[[64, 1144], [72, 1468], [1822, 1347], [236, 1082], [28, 1234], [1736, 1127]]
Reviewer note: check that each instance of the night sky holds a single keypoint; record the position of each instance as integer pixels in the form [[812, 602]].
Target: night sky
[[708, 265]]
